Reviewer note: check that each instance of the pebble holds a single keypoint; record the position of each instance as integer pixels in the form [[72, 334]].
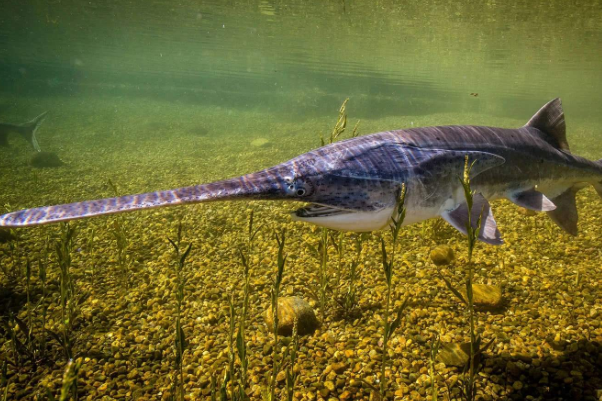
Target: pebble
[[485, 295], [454, 354], [289, 310], [442, 255]]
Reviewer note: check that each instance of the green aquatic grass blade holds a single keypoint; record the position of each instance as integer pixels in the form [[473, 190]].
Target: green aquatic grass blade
[[69, 386], [397, 321]]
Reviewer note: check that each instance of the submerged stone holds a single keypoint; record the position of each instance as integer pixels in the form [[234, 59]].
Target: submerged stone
[[289, 309], [454, 354], [485, 295], [260, 142], [46, 159], [442, 255]]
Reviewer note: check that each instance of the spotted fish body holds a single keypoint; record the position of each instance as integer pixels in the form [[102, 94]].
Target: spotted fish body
[[354, 184]]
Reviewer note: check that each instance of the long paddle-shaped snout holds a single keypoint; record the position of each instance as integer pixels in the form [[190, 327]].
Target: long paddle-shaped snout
[[269, 184]]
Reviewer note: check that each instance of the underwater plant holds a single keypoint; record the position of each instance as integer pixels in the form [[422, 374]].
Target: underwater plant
[[13, 272], [475, 337], [340, 126], [241, 345], [339, 246], [29, 330], [434, 229], [43, 278], [472, 233], [323, 275], [121, 236], [28, 337], [237, 376], [468, 388], [16, 345], [4, 380], [68, 303], [434, 349], [320, 252], [291, 373], [269, 393], [349, 300], [388, 263], [6, 235], [122, 242], [69, 384], [90, 247], [229, 371], [180, 336]]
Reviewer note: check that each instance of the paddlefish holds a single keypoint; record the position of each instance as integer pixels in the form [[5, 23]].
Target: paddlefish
[[26, 130], [354, 184]]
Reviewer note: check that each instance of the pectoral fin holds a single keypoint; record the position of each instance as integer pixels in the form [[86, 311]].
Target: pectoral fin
[[458, 218], [533, 200]]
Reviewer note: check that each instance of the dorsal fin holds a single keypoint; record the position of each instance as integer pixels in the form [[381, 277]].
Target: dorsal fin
[[550, 120]]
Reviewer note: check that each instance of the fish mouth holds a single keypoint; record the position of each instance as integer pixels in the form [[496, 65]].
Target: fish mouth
[[317, 211], [343, 219]]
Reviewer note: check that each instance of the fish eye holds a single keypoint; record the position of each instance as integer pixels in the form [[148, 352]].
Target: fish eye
[[301, 191]]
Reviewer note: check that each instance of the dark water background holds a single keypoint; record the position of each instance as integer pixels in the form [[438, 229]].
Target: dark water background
[[302, 57]]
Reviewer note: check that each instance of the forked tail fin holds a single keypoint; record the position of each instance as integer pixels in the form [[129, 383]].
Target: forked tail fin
[[28, 130]]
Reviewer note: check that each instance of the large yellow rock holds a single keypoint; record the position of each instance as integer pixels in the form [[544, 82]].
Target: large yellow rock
[[485, 295], [454, 354], [442, 255], [289, 309]]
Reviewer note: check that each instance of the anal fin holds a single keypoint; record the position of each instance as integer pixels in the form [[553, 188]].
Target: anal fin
[[458, 218], [565, 215], [533, 200]]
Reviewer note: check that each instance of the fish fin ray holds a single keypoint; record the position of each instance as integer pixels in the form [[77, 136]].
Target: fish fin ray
[[532, 200], [458, 218], [565, 215], [550, 120]]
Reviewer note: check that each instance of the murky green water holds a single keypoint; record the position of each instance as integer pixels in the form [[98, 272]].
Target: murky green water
[[392, 58], [160, 94]]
